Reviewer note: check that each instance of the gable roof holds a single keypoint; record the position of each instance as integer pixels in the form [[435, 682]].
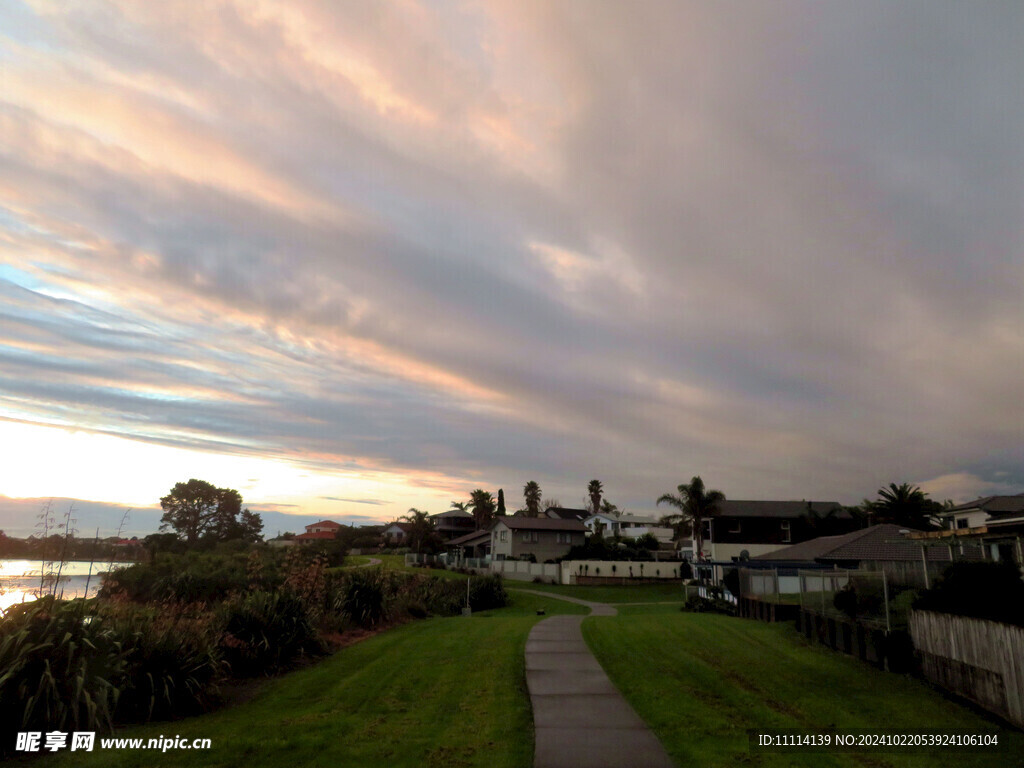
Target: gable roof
[[325, 524], [404, 526], [453, 513], [470, 538], [779, 509], [540, 524], [879, 542]]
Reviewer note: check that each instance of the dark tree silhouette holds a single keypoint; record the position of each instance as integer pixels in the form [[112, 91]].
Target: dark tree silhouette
[[197, 509], [532, 496]]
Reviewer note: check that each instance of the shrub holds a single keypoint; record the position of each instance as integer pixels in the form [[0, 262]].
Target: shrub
[[173, 661], [265, 631], [363, 597], [984, 590], [486, 592], [59, 670]]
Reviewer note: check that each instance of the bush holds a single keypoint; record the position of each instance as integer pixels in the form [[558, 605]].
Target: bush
[[265, 631], [363, 597], [173, 662], [486, 592], [984, 590], [59, 670]]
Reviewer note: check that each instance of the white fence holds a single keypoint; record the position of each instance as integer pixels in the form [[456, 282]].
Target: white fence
[[521, 570]]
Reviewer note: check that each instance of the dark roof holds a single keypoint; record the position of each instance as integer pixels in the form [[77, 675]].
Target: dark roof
[[564, 513], [469, 538], [540, 524], [452, 513], [780, 509], [994, 505], [404, 526], [879, 542]]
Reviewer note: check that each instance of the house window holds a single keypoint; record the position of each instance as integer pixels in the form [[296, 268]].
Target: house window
[[734, 526], [564, 538], [503, 536], [787, 535], [529, 536], [961, 522]]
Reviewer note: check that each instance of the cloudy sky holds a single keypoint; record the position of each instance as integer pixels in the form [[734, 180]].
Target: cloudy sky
[[352, 257]]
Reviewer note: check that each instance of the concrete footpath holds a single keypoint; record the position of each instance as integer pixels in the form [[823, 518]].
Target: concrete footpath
[[580, 718]]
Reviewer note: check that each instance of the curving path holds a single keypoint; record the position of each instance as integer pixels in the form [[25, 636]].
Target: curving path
[[580, 719]]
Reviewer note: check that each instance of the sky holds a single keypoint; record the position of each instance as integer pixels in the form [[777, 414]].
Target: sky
[[350, 258]]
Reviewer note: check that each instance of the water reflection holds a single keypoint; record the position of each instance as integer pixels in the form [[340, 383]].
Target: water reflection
[[22, 581]]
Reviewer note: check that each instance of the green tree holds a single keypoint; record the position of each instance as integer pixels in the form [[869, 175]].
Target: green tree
[[904, 504], [461, 506], [532, 496], [197, 509], [594, 490], [482, 503], [421, 534], [695, 504], [501, 503]]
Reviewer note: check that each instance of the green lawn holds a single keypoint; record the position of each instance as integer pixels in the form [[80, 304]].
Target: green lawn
[[445, 692], [700, 681], [638, 593]]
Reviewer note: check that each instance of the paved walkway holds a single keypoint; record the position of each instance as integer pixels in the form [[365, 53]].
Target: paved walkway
[[580, 719]]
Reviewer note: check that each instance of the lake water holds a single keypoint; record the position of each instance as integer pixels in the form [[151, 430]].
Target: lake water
[[20, 580]]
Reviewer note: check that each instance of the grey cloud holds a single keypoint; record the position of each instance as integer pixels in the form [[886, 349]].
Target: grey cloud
[[823, 211]]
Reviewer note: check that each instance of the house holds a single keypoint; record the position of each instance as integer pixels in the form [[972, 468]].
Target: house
[[453, 524], [472, 545], [867, 548], [979, 512], [603, 523], [759, 527], [396, 533], [324, 529], [543, 537]]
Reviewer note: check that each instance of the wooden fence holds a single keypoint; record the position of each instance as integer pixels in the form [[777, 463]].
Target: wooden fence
[[980, 660]]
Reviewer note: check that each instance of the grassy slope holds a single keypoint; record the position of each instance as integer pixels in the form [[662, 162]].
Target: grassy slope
[[640, 593], [701, 680], [440, 692]]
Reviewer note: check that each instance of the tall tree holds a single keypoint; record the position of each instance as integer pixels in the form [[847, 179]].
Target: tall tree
[[421, 533], [197, 509], [904, 504], [695, 505], [594, 490], [501, 503], [482, 503], [461, 506], [532, 496]]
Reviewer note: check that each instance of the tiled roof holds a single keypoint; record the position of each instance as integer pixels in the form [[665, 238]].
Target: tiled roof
[[328, 523], [315, 535], [879, 542], [779, 509], [540, 524], [994, 505]]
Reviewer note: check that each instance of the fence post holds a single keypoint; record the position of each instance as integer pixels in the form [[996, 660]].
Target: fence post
[[885, 592]]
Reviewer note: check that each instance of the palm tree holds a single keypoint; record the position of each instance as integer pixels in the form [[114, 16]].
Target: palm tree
[[695, 505], [421, 534], [903, 505], [461, 506], [594, 490], [532, 496], [482, 503]]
